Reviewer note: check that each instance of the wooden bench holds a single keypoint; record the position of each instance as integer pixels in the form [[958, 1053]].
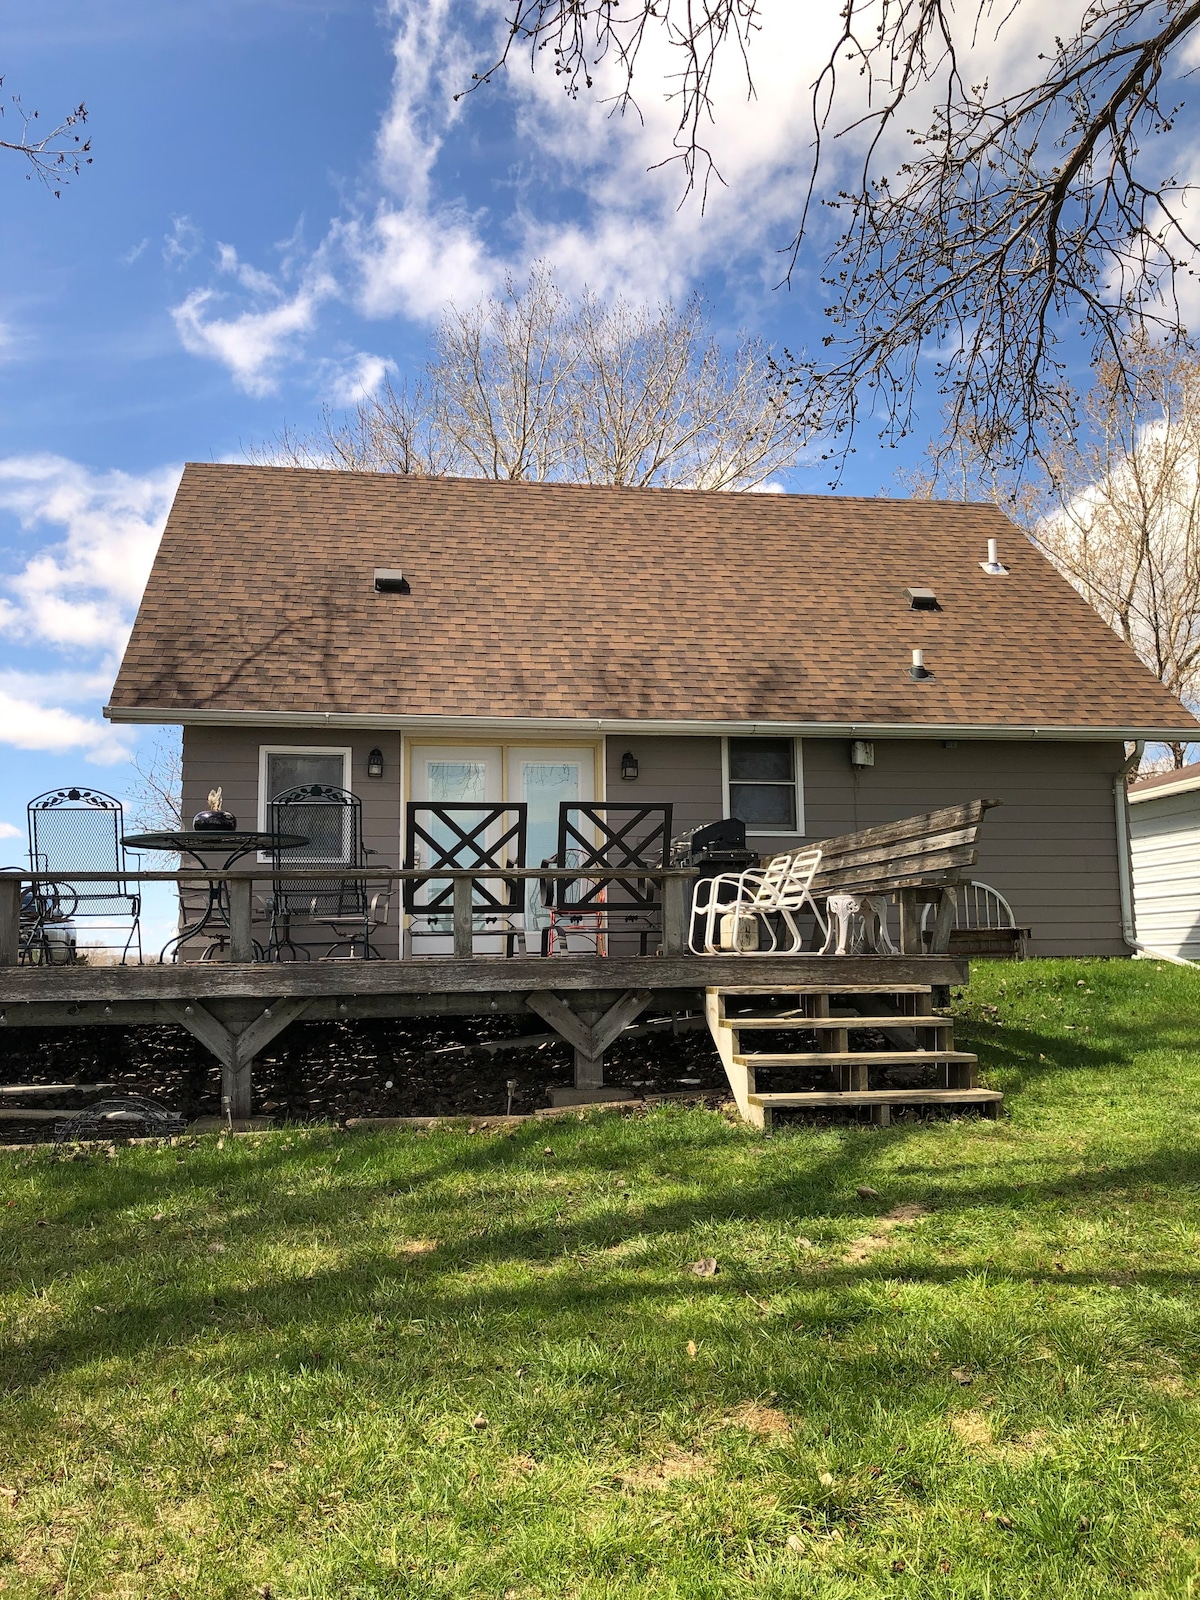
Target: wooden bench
[[918, 860]]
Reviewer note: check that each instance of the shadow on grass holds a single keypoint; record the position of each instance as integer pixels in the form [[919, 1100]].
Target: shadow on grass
[[798, 1181]]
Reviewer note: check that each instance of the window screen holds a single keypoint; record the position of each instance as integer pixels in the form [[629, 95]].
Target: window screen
[[288, 770], [762, 784]]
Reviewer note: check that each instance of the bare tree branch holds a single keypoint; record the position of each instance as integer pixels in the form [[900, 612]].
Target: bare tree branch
[[53, 156], [1117, 510], [533, 386], [1005, 227]]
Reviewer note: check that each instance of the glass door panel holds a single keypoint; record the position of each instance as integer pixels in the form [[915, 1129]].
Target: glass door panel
[[462, 774], [545, 777]]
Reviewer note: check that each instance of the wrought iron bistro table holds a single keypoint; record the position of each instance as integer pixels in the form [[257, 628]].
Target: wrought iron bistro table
[[197, 843]]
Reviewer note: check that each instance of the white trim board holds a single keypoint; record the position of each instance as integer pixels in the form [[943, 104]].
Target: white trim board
[[515, 730]]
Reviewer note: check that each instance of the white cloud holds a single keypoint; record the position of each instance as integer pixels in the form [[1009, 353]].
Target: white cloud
[[346, 382], [68, 609], [413, 262], [8, 831], [182, 243], [28, 725], [253, 343], [589, 192], [79, 594]]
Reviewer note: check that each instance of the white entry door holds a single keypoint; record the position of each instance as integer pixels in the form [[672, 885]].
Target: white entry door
[[544, 777], [464, 775]]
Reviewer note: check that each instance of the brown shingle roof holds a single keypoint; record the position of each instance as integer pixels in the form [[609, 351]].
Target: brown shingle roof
[[560, 601]]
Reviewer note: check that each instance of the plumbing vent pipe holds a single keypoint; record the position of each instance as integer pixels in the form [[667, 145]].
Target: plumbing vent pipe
[[993, 565], [919, 670]]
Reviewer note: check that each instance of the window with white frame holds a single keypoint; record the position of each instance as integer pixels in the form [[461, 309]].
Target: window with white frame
[[764, 784], [285, 767]]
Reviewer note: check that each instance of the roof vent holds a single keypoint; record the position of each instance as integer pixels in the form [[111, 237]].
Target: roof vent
[[919, 671], [390, 580], [922, 600], [993, 565]]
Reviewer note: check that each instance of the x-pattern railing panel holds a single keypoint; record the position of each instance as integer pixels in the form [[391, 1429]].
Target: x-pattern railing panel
[[488, 839], [613, 843]]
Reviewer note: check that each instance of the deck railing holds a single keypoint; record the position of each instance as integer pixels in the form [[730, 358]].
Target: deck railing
[[674, 887]]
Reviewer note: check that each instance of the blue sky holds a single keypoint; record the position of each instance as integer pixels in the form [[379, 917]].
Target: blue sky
[[284, 195]]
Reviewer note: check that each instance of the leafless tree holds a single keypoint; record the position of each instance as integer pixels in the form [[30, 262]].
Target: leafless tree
[[1118, 509], [157, 800], [52, 155], [532, 385], [1001, 228]]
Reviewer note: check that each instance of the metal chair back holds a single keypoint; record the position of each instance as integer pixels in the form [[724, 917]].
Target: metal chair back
[[331, 820], [80, 830]]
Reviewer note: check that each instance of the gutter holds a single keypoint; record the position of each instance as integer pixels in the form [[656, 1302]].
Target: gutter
[[522, 726]]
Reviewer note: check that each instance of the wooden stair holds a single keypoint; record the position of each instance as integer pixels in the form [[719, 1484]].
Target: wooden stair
[[832, 1013]]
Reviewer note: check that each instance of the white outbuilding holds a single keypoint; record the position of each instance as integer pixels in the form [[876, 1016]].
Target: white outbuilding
[[1164, 843]]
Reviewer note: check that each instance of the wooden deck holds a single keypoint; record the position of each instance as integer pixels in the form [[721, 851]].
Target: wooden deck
[[235, 1010], [236, 1007]]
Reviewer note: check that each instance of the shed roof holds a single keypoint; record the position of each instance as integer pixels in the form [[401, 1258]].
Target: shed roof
[[564, 603], [1162, 784]]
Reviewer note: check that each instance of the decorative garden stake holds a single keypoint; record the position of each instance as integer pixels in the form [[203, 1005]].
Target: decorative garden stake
[[214, 820]]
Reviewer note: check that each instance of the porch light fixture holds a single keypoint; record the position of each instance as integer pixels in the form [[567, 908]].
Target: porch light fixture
[[375, 763], [919, 670], [629, 767]]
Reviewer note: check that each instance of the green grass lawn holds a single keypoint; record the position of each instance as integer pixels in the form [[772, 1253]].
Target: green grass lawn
[[324, 1364]]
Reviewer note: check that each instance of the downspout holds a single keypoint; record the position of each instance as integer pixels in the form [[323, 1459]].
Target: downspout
[[1124, 874]]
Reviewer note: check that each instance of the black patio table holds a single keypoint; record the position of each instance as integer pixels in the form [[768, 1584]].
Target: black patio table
[[197, 842]]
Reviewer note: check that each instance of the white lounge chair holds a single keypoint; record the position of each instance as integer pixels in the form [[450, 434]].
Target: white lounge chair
[[733, 903]]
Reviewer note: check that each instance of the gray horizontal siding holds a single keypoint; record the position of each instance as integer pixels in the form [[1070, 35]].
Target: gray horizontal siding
[[230, 757], [1050, 848]]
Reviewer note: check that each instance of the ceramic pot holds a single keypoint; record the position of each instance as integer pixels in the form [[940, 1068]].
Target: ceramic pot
[[214, 822]]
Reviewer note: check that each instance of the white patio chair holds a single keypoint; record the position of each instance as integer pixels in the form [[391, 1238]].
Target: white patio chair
[[756, 897]]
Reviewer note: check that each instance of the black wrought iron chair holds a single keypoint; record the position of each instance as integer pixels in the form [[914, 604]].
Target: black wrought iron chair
[[80, 830], [465, 836], [345, 908], [612, 843]]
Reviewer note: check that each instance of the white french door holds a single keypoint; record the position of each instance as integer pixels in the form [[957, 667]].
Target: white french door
[[544, 777], [541, 775]]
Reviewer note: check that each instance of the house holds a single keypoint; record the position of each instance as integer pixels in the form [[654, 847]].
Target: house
[[1164, 842], [744, 654]]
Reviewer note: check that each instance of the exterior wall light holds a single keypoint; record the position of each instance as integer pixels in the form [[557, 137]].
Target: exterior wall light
[[375, 763], [629, 767]]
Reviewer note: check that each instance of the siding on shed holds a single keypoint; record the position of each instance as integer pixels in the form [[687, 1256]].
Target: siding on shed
[[1164, 841], [1050, 847]]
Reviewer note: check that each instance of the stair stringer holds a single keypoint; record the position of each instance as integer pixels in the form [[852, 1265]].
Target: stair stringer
[[741, 1076]]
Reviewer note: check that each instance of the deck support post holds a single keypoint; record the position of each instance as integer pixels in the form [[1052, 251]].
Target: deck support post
[[589, 1033], [235, 1051], [464, 920], [676, 902], [10, 920], [241, 939]]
